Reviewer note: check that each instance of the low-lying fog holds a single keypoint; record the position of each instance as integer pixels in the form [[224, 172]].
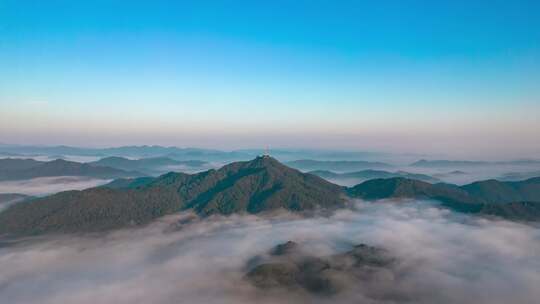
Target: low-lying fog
[[444, 258], [48, 185], [461, 175], [40, 157], [458, 175]]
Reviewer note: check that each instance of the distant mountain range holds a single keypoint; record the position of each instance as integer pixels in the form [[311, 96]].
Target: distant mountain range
[[183, 153], [255, 186], [126, 151], [148, 166], [18, 169], [373, 174], [450, 174], [466, 163], [337, 165], [517, 176]]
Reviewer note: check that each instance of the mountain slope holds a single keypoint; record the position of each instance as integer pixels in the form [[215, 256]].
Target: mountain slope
[[496, 192], [266, 184], [511, 200], [407, 188], [485, 192], [520, 211], [8, 199], [255, 186], [89, 210]]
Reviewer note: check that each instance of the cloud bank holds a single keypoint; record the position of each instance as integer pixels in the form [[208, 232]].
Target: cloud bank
[[444, 258], [47, 185]]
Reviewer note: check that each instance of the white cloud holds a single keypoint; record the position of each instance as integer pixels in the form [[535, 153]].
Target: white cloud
[[47, 185], [445, 258]]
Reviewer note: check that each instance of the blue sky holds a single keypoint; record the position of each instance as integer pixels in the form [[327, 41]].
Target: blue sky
[[457, 77]]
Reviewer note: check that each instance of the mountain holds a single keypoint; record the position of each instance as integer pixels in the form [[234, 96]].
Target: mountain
[[485, 192], [341, 166], [512, 200], [262, 184], [17, 169], [255, 186], [146, 165], [373, 174], [399, 187]]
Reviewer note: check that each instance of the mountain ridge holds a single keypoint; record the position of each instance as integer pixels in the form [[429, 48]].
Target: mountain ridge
[[481, 192], [468, 163], [19, 169], [260, 185], [510, 200], [336, 165], [373, 174], [148, 165]]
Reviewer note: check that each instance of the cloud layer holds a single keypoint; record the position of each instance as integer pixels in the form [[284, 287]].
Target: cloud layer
[[47, 185], [444, 258]]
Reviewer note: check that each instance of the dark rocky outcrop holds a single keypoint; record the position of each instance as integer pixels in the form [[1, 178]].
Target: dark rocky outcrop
[[289, 267]]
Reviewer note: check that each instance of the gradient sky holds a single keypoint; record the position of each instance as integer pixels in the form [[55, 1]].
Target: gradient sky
[[454, 77]]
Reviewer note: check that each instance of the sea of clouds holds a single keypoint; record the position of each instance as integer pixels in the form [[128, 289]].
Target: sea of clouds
[[443, 258]]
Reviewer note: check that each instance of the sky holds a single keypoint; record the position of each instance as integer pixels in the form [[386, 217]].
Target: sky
[[446, 77]]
